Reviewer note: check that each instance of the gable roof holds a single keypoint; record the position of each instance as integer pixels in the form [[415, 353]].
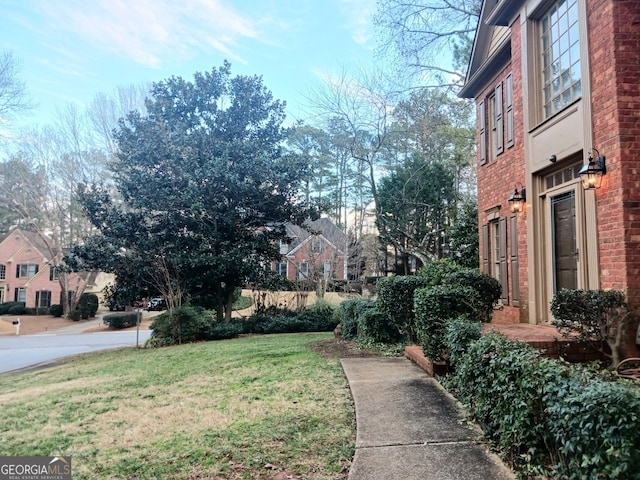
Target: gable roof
[[32, 237], [323, 227], [491, 45]]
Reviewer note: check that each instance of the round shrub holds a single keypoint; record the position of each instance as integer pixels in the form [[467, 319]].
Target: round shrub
[[74, 315], [377, 327], [487, 288], [56, 310], [88, 305], [435, 272], [16, 309]]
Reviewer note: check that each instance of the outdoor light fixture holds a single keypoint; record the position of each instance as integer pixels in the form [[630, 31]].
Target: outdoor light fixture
[[517, 199], [591, 173]]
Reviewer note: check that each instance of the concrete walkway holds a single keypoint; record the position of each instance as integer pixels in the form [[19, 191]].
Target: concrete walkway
[[410, 428]]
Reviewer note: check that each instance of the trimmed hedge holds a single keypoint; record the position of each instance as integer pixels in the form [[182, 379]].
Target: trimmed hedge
[[56, 310], [189, 324], [395, 300], [121, 320], [547, 418], [434, 307], [4, 307]]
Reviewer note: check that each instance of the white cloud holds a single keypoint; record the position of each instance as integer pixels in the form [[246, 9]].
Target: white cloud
[[360, 17], [151, 32]]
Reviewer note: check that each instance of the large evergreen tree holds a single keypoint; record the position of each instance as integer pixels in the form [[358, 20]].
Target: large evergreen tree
[[204, 189]]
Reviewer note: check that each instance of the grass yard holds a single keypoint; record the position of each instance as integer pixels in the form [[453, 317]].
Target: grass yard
[[260, 407]]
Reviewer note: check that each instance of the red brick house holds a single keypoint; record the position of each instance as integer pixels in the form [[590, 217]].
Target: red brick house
[[319, 250], [557, 89], [27, 275]]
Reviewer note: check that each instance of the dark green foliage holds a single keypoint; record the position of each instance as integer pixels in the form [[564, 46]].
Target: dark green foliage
[[464, 236], [435, 272], [56, 310], [547, 418], [195, 324], [395, 300], [434, 307], [596, 316], [88, 305], [198, 176], [35, 310], [4, 307], [182, 325], [121, 320], [17, 308], [377, 327], [459, 334], [593, 426], [488, 289], [502, 384], [348, 314], [74, 315]]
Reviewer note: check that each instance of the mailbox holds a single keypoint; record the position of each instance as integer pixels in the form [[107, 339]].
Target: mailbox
[[16, 322]]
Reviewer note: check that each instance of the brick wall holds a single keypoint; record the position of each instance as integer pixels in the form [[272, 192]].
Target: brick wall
[[497, 179], [614, 43]]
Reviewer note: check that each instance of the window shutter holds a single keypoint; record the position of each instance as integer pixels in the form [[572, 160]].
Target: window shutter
[[502, 247], [485, 249], [508, 84], [482, 147], [499, 121], [17, 272], [37, 268], [513, 235], [15, 295], [51, 274]]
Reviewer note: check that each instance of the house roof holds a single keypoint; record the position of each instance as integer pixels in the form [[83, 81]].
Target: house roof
[[323, 227], [32, 237], [491, 45]]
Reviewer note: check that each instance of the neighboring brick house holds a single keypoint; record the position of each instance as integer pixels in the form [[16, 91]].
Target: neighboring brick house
[[317, 251], [557, 83], [26, 274]]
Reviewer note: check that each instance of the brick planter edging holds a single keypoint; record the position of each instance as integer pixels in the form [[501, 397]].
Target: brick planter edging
[[416, 355]]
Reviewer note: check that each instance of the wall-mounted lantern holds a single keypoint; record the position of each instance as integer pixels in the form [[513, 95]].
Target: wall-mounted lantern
[[591, 173], [517, 199]]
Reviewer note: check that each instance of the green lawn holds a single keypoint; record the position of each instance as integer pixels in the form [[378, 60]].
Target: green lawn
[[245, 408]]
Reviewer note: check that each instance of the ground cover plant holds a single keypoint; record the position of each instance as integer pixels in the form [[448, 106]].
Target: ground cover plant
[[255, 407]]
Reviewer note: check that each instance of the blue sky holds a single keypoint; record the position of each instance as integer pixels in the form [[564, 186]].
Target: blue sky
[[72, 49]]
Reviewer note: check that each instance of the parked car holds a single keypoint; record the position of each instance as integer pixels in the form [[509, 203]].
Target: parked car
[[156, 304]]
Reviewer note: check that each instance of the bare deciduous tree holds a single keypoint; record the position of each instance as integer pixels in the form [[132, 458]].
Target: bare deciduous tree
[[431, 38], [13, 91]]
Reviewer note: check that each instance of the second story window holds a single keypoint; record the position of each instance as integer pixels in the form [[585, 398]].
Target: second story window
[[3, 272], [561, 74], [53, 274], [26, 270]]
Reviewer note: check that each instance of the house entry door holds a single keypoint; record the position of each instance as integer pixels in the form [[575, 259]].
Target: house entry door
[[565, 253]]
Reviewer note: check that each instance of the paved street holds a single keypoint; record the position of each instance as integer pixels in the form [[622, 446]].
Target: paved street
[[26, 351]]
